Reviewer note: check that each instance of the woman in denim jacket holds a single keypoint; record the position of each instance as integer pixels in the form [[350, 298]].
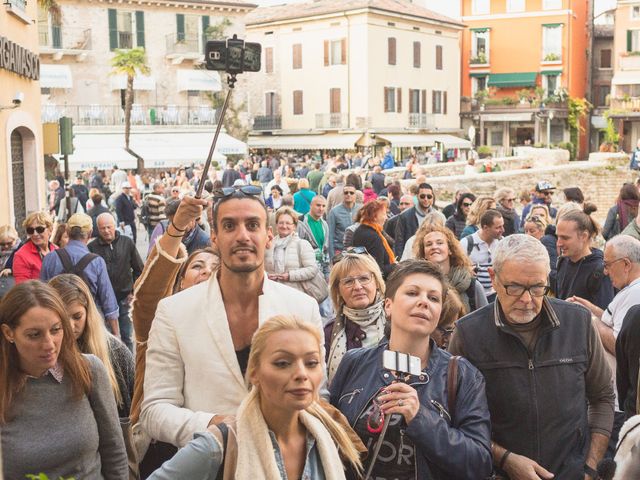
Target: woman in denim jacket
[[426, 437]]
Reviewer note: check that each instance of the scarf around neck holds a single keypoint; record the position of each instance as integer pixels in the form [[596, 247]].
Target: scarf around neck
[[460, 279], [279, 246], [385, 244], [372, 316]]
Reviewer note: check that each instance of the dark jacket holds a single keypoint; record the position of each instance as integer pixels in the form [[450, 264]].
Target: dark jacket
[[511, 220], [229, 176], [446, 448], [390, 227], [538, 404], [550, 242], [377, 181], [196, 239], [125, 209], [93, 213], [456, 224], [627, 358], [124, 264], [367, 237], [405, 228], [585, 279]]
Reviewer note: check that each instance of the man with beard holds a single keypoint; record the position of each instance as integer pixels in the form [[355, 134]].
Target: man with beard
[[200, 339], [548, 383]]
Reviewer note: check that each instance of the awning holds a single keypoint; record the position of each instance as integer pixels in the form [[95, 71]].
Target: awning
[[551, 72], [55, 76], [400, 140], [170, 149], [625, 78], [509, 80], [478, 74], [507, 117], [140, 82], [101, 150], [334, 141], [199, 80]]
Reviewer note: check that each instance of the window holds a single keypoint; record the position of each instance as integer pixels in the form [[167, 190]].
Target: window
[[633, 40], [480, 46], [391, 51], [478, 84], [551, 83], [635, 12], [126, 29], [552, 43], [480, 7], [270, 104], [602, 92], [416, 54], [438, 102], [334, 100], [268, 60], [515, 6], [335, 52], [605, 58], [389, 99], [557, 134], [297, 102], [632, 90], [414, 101], [551, 4], [297, 56], [496, 137], [438, 57]]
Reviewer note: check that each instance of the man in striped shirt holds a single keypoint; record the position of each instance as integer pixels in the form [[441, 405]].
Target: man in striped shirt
[[155, 203], [480, 246]]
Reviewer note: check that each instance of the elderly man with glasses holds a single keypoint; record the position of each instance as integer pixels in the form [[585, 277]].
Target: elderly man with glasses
[[548, 382]]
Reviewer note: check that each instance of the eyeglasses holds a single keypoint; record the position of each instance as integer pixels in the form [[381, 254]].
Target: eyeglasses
[[426, 195], [510, 199], [346, 192], [349, 251], [534, 290], [607, 265], [31, 230], [252, 190], [350, 282], [7, 244]]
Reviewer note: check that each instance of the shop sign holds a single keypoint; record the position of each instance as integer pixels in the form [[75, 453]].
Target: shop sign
[[17, 59]]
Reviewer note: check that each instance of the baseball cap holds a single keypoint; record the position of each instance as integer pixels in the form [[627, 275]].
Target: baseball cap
[[544, 185], [80, 220]]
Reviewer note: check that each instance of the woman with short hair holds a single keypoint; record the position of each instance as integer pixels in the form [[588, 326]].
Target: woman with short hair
[[27, 261], [535, 226]]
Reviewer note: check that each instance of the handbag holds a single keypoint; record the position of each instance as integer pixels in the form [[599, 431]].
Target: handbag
[[315, 287]]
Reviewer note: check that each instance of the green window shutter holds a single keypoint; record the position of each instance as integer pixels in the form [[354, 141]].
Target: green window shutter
[[180, 26], [205, 25], [629, 40], [140, 28], [113, 29]]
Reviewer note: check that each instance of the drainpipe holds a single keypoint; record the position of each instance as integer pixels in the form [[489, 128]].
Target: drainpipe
[[348, 70]]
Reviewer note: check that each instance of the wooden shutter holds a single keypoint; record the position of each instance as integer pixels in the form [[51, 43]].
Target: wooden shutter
[[399, 100], [334, 100], [205, 25], [268, 60], [140, 29], [297, 56], [444, 102], [268, 103], [326, 53], [343, 51], [391, 47], [113, 29], [416, 54], [438, 57], [605, 58], [629, 40], [297, 102], [180, 27], [424, 101], [433, 102], [386, 99]]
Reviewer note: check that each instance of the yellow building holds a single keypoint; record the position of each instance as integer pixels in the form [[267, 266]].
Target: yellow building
[[22, 179]]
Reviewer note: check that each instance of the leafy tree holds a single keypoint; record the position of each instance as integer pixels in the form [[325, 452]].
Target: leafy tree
[[578, 109], [129, 62], [53, 7]]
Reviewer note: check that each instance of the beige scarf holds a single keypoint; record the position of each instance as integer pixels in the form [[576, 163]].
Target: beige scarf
[[256, 460]]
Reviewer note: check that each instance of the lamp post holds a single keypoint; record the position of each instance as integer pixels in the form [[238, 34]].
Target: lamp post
[[549, 118]]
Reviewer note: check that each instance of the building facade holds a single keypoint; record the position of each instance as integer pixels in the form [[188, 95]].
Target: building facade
[[520, 61], [78, 81], [332, 70], [22, 185], [601, 75], [625, 85]]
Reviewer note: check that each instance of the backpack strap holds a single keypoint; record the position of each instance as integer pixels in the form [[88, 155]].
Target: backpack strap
[[452, 385], [470, 244], [224, 430], [65, 259], [79, 267]]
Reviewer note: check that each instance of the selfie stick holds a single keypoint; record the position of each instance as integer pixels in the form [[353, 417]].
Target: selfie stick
[[231, 80], [376, 449]]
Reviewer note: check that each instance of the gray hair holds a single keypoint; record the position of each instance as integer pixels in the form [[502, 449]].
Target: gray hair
[[520, 248], [106, 215], [625, 246], [503, 193]]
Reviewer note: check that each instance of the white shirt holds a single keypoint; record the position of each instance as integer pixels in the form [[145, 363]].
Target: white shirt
[[620, 305], [482, 256]]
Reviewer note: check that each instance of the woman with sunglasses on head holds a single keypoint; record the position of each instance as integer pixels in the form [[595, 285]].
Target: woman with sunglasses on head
[[370, 235], [57, 411], [458, 220], [432, 431], [437, 244], [356, 289], [290, 260], [281, 430], [27, 261], [535, 226]]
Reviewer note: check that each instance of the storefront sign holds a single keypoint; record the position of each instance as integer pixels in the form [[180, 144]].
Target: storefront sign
[[17, 59]]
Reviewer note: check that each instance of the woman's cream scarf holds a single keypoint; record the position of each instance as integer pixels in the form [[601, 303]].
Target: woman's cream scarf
[[256, 459]]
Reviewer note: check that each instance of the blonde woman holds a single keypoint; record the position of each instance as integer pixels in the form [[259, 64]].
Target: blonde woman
[[280, 431], [93, 338], [478, 207], [27, 261], [535, 226]]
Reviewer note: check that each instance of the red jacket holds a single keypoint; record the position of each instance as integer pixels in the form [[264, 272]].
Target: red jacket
[[27, 262]]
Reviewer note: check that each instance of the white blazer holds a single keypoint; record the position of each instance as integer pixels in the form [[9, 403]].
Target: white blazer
[[192, 370]]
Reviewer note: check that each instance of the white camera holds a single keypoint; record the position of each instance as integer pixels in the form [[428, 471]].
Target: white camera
[[18, 98]]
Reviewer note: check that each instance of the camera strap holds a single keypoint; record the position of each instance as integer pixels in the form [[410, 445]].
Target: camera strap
[[376, 448]]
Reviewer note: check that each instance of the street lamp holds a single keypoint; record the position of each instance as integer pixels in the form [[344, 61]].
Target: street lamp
[[549, 118]]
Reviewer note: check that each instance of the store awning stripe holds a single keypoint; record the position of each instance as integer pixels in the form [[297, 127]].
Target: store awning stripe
[[551, 72], [478, 74], [508, 80]]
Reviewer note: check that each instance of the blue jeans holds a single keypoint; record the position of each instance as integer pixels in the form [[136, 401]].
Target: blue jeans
[[125, 324]]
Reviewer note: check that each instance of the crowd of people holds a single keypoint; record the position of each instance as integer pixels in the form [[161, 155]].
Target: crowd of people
[[318, 320]]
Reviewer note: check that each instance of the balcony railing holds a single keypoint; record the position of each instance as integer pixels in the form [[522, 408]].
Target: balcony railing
[[267, 122], [628, 104], [331, 120], [59, 38], [630, 62], [183, 44], [421, 120], [140, 114], [125, 40]]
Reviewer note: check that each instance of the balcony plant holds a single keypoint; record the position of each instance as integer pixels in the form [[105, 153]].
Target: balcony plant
[[479, 59], [484, 151], [552, 57], [525, 95], [508, 101]]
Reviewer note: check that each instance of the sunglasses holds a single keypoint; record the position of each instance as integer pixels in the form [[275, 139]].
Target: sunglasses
[[31, 230], [349, 251], [6, 244], [426, 195], [348, 192], [252, 190], [465, 204]]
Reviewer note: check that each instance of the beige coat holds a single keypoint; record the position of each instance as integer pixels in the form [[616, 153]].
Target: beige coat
[[300, 262]]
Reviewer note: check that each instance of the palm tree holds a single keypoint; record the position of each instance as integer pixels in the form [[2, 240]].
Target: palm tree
[[130, 62]]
